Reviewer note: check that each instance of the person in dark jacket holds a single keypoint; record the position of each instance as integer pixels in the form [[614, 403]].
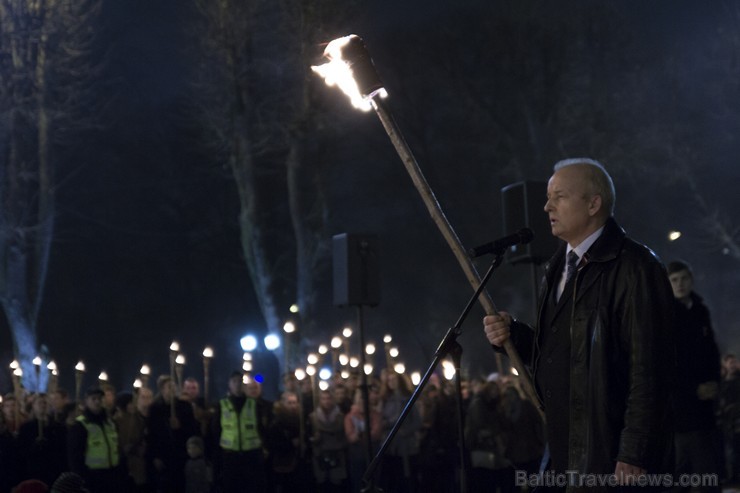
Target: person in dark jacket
[[92, 446], [170, 423], [696, 386], [42, 444], [602, 353]]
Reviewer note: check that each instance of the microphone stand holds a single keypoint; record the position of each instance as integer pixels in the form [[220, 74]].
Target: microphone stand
[[449, 345]]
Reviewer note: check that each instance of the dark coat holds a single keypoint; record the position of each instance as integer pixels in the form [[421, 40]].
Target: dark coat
[[621, 354], [698, 363]]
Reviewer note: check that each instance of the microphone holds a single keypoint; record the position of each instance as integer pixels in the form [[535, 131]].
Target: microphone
[[523, 236]]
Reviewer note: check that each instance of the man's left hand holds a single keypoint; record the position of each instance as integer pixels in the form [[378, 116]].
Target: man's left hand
[[627, 474]]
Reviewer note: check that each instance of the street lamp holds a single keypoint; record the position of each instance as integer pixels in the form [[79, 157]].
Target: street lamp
[[248, 343]]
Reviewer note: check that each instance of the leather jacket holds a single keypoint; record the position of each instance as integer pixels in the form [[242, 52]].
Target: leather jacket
[[621, 355]]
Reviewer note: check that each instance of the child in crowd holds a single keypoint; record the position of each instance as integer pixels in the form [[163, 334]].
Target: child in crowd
[[198, 472]]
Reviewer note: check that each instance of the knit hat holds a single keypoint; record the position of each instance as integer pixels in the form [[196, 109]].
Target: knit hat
[[69, 482]]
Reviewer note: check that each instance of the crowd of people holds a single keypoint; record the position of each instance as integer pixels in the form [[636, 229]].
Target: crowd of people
[[171, 440]]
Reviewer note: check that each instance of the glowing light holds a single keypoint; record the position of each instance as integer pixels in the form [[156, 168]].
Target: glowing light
[[300, 374], [399, 368], [393, 352], [338, 72], [14, 364], [323, 349], [248, 343], [387, 338], [294, 308], [347, 332], [448, 370], [368, 369], [416, 378], [52, 366], [343, 359], [323, 385], [145, 370], [208, 352], [103, 377], [272, 342], [247, 356], [180, 360], [310, 370], [312, 359], [36, 361], [174, 347], [336, 342], [345, 374], [18, 372], [674, 235], [137, 383], [80, 366], [289, 327], [370, 349], [246, 380], [247, 366], [325, 374], [354, 362], [514, 372]]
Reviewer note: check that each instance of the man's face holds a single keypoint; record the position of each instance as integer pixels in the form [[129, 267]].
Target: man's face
[[569, 206], [290, 402], [682, 283], [236, 386], [253, 389], [168, 390], [144, 400], [57, 401], [326, 401], [94, 403], [40, 406], [190, 390]]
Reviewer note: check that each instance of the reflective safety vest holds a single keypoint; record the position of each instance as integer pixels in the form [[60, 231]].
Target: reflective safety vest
[[239, 430], [102, 444]]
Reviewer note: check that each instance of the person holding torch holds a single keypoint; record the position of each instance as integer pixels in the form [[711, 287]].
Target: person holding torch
[[602, 354]]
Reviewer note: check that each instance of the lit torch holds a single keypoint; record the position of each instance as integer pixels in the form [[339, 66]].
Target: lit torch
[[207, 356], [79, 372], [53, 376], [351, 68], [145, 371], [37, 366]]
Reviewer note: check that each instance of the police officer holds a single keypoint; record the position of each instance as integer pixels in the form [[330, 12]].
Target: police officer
[[237, 427], [92, 446]]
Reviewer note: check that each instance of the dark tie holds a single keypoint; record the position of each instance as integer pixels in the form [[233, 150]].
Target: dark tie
[[572, 266]]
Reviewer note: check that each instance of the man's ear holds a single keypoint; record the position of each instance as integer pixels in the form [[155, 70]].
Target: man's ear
[[594, 205]]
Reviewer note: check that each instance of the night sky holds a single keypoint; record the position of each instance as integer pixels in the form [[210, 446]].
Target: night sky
[[147, 240]]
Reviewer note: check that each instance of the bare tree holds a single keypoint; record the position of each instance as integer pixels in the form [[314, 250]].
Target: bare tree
[[265, 122], [42, 47]]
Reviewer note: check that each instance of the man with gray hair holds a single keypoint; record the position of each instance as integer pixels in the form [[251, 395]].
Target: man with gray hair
[[601, 353]]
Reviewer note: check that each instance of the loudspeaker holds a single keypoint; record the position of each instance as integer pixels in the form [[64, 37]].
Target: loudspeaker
[[523, 207], [355, 269]]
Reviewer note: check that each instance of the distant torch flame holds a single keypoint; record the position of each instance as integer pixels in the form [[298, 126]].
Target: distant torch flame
[[351, 69]]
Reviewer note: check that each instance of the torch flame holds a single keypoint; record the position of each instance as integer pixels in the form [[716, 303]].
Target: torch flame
[[339, 72]]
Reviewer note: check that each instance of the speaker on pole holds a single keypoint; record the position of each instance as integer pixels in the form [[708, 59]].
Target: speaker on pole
[[523, 207], [355, 269]]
